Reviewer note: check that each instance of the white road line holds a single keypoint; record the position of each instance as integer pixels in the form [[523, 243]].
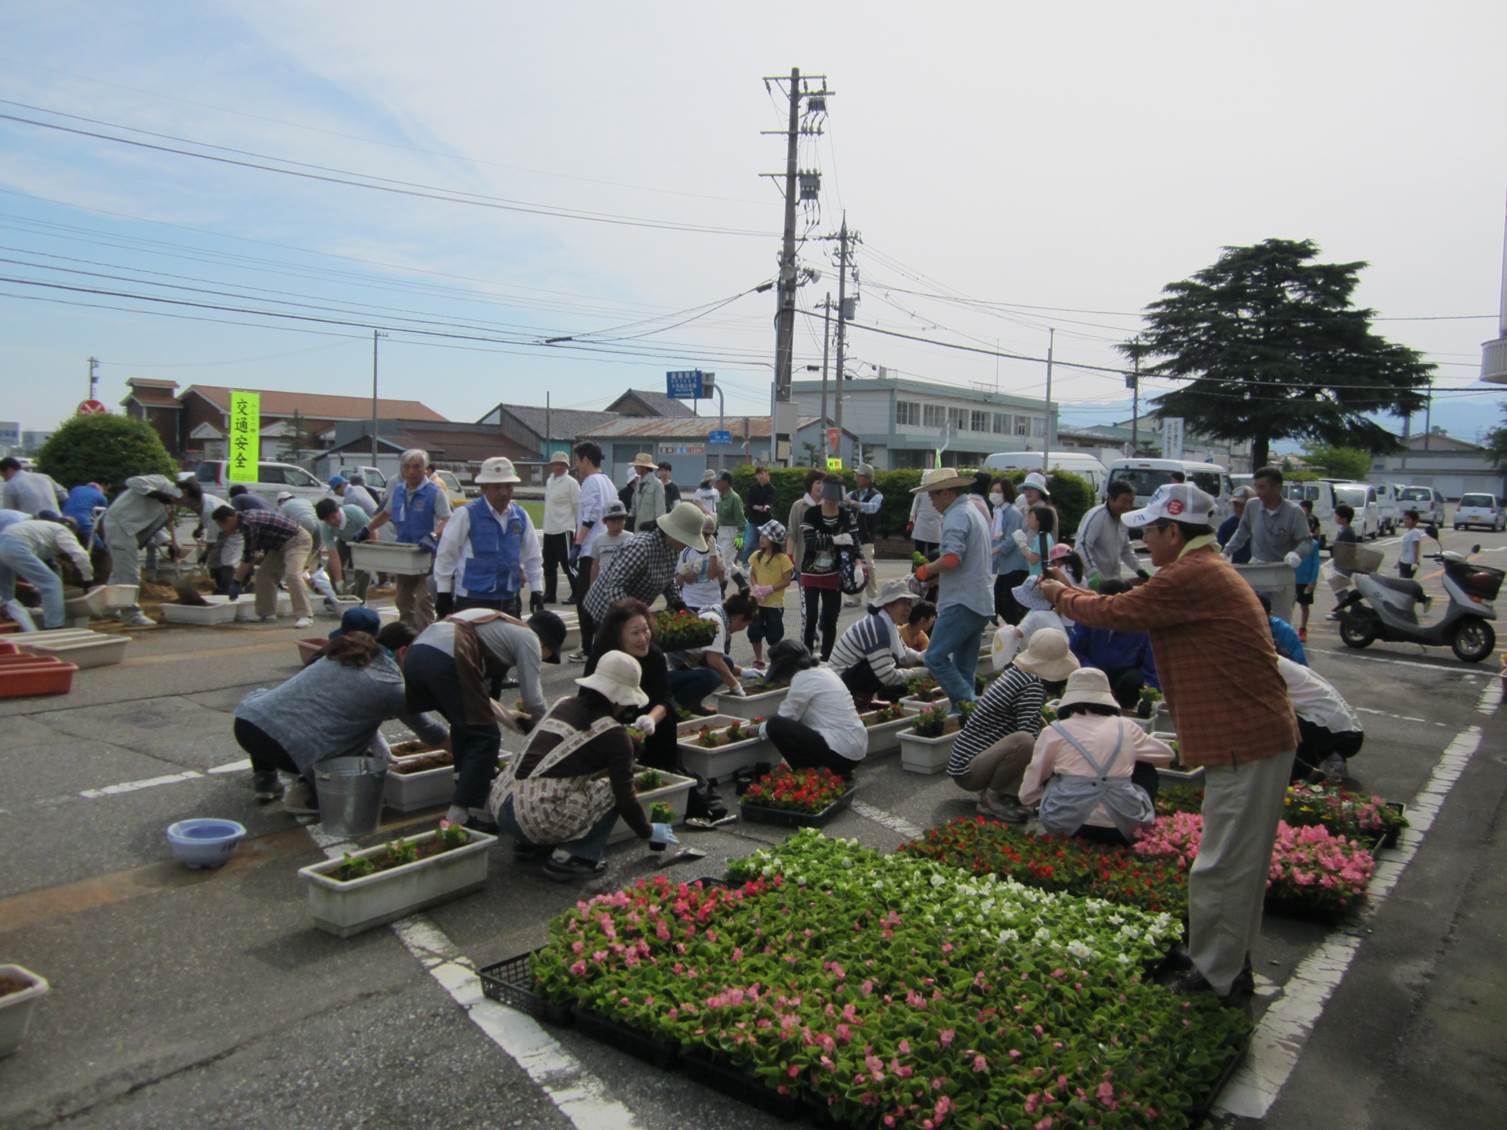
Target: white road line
[[889, 820], [1285, 1026], [134, 786], [580, 1096], [231, 767], [1351, 653], [1397, 717]]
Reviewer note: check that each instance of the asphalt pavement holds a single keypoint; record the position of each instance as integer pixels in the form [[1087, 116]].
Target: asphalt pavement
[[208, 999]]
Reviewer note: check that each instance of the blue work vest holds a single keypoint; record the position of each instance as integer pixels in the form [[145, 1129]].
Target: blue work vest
[[491, 572], [413, 517]]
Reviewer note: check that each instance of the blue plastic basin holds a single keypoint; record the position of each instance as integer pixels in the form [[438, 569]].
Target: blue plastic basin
[[204, 842]]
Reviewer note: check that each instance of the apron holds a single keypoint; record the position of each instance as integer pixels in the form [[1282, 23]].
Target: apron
[[1069, 800], [555, 810]]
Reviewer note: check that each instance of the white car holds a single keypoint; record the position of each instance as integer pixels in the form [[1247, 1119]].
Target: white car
[[1426, 500], [272, 479], [1480, 510]]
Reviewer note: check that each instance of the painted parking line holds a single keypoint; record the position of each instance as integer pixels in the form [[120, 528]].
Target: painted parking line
[[1401, 717], [889, 820], [1284, 1028], [137, 786], [1350, 653]]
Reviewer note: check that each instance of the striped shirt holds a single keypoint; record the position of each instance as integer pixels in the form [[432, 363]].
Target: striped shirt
[[1013, 702], [876, 639]]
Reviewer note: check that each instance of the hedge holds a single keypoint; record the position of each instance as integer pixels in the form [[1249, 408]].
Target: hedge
[[1072, 494], [103, 449]]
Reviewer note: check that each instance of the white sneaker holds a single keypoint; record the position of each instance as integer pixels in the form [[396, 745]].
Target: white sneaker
[[303, 622]]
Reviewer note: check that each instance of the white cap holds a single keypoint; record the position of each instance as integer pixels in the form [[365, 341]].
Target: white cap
[[283, 496], [1182, 502], [498, 469]]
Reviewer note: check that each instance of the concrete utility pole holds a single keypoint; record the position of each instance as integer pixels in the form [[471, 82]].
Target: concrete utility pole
[[1135, 402], [842, 313], [826, 341], [1046, 440], [93, 376], [375, 335]]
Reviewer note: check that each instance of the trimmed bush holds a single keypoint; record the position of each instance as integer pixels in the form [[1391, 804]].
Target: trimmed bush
[[104, 449]]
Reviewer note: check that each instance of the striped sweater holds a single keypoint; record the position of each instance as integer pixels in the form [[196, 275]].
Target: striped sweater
[[876, 639], [1013, 702]]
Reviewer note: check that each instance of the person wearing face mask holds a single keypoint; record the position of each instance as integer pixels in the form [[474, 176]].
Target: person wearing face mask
[[1007, 561], [827, 531]]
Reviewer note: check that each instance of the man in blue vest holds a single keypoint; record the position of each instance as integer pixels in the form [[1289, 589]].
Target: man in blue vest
[[418, 511], [488, 549]]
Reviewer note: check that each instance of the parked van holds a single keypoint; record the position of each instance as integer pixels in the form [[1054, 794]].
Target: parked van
[[1388, 507], [1426, 500], [1075, 462], [1480, 509], [272, 479], [1326, 494], [1145, 475]]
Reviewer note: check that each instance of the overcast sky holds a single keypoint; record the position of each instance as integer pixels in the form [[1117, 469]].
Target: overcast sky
[[1074, 156]]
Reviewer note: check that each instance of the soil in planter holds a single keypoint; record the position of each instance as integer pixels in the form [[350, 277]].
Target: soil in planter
[[707, 738], [431, 759], [9, 985], [385, 862], [879, 716]]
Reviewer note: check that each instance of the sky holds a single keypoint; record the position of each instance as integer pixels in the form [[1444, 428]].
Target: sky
[[1008, 168]]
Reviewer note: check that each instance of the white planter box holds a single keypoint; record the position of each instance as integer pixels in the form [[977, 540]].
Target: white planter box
[[762, 704], [885, 737], [16, 1008], [198, 614], [245, 606], [725, 760], [103, 599], [409, 792], [344, 909], [676, 792], [924, 755], [341, 604], [90, 649], [396, 557], [921, 705]]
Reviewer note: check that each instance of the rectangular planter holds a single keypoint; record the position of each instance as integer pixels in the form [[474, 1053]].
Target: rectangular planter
[[396, 557], [752, 705], [885, 737], [94, 649], [103, 599], [341, 604], [409, 792], [223, 613], [16, 1008], [676, 792], [922, 705], [924, 755], [721, 763], [786, 818], [344, 909], [22, 676], [1177, 771]]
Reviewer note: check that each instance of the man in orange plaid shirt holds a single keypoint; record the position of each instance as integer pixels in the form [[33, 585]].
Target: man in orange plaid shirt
[[1218, 666]]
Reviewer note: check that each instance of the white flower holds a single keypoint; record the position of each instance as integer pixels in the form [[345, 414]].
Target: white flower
[[1079, 950], [937, 880]]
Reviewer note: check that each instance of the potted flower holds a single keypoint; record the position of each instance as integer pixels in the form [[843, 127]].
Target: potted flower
[[926, 745], [719, 746], [1345, 813], [797, 797], [366, 888], [884, 723], [762, 700], [418, 776], [657, 791], [20, 990], [921, 693]]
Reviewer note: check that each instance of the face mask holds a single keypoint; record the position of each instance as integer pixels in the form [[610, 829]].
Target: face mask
[[997, 499]]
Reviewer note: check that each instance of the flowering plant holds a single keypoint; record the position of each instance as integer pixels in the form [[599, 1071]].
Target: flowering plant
[[936, 722], [648, 779], [798, 790], [888, 712], [739, 731], [1344, 813], [678, 631], [1174, 796], [925, 688]]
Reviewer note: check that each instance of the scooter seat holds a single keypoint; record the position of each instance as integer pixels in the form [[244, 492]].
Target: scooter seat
[[1402, 585]]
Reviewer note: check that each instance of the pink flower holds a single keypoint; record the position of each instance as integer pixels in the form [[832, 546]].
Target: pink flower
[[1045, 1123], [980, 1063], [904, 1047], [579, 969], [1106, 1094], [1015, 1053], [945, 1037], [793, 1071]]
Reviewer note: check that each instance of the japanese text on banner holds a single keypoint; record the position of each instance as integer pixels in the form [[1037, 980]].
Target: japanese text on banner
[[243, 451]]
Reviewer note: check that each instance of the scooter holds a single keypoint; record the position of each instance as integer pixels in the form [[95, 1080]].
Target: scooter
[[1385, 608]]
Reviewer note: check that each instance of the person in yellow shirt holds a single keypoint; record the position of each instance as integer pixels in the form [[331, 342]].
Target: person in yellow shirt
[[772, 571]]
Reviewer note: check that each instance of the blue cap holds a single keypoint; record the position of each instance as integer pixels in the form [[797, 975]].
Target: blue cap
[[337, 481], [358, 619]]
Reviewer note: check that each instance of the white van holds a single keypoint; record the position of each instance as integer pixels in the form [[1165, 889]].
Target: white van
[[1326, 494], [272, 479], [1145, 475], [1388, 506], [1426, 500], [1075, 462]]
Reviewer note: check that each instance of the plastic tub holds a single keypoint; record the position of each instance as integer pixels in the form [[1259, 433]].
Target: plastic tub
[[350, 794], [204, 843], [105, 598], [310, 649], [94, 649], [201, 614], [16, 1008], [24, 675], [396, 557]]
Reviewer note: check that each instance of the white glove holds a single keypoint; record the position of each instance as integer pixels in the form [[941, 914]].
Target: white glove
[[761, 591], [1292, 560], [1019, 538], [738, 689], [843, 539], [645, 722], [662, 834]]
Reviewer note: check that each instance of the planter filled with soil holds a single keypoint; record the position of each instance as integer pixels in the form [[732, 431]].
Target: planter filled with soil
[[20, 990], [755, 704], [926, 745], [660, 795], [718, 750], [418, 777], [884, 724]]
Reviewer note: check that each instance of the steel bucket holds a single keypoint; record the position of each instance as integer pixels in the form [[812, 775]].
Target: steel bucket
[[350, 794]]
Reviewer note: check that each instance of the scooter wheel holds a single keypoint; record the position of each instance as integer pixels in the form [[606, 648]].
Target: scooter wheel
[[1358, 627], [1473, 640]]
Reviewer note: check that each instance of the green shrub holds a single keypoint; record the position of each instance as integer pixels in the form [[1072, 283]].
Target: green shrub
[[104, 449]]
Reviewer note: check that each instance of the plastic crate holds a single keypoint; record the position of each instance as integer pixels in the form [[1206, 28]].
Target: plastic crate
[[788, 818], [22, 676], [1353, 557], [511, 982]]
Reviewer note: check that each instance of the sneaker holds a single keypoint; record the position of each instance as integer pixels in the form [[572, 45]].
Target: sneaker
[[303, 622], [852, 602], [299, 799], [574, 869], [266, 786], [270, 618], [578, 656], [1332, 768], [135, 618]]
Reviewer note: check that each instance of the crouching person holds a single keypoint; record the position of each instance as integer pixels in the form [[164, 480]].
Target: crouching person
[[574, 780], [1093, 771], [817, 726]]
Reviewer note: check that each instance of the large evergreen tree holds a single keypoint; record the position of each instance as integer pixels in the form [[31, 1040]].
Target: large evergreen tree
[[1272, 348]]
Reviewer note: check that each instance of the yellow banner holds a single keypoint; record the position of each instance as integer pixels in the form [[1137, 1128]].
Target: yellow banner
[[243, 447], [834, 464]]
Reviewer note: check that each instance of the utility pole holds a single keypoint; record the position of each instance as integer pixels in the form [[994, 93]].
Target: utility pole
[[1428, 416], [842, 313], [93, 376], [826, 341], [1046, 441], [375, 335], [1135, 400]]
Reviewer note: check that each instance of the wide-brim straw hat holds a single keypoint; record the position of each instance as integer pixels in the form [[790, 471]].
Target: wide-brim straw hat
[[1047, 656], [498, 469], [559, 457], [684, 525], [1088, 684], [942, 478], [645, 460], [616, 679]]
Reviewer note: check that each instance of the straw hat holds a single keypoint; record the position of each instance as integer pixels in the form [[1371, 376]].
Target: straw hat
[[646, 461], [616, 679], [1047, 656], [559, 457], [498, 469], [1088, 684], [942, 478], [684, 525], [891, 591]]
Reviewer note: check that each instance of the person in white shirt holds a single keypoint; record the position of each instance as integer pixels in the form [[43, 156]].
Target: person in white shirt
[[221, 553], [30, 491], [26, 548], [925, 524], [562, 503], [696, 672], [488, 549], [700, 572], [597, 492], [1330, 732], [1412, 542], [705, 495], [817, 726]]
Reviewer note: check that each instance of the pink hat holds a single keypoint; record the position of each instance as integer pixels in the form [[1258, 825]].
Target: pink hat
[[1059, 551]]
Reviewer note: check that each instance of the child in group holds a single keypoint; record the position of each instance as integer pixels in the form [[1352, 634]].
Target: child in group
[[1306, 577], [1339, 577], [772, 571], [915, 633], [1412, 541], [1038, 537]]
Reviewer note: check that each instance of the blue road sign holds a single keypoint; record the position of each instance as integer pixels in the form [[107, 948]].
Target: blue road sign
[[683, 384], [719, 437]]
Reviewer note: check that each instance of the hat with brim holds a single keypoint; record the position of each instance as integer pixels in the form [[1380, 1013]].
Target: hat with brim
[[942, 478], [1036, 481], [284, 496], [1179, 502], [360, 619], [498, 469], [646, 461], [559, 457], [613, 510], [616, 679], [684, 525], [891, 591], [551, 631], [1028, 595], [1088, 685], [708, 477], [1047, 656]]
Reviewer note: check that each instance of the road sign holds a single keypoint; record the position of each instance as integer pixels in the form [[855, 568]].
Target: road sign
[[1172, 437], [834, 463], [689, 384], [717, 436], [834, 439], [92, 408], [244, 448]]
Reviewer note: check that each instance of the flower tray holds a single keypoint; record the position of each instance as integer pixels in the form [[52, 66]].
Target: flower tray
[[761, 704], [511, 982], [22, 676], [793, 818], [1200, 1110], [1390, 839], [640, 1045], [424, 788], [675, 792], [706, 1067], [398, 558]]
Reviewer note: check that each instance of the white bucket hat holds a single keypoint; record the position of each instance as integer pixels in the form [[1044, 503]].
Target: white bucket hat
[[616, 679], [942, 478], [559, 457], [1047, 656], [891, 591], [498, 469], [1182, 502], [1036, 481], [864, 469], [684, 525], [1088, 684]]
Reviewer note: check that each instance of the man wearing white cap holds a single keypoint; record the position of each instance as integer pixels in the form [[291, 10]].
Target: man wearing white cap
[[562, 504], [488, 548], [965, 593], [1218, 666]]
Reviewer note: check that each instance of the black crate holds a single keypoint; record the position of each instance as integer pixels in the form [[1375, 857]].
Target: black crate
[[661, 1053], [712, 1070], [511, 982], [785, 818]]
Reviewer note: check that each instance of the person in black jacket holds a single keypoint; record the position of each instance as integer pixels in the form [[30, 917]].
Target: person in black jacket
[[758, 506], [672, 492]]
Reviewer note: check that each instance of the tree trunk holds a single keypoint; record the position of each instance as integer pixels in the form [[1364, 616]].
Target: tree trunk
[[1260, 452]]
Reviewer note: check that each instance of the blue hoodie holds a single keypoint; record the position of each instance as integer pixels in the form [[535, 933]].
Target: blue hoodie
[[1112, 652]]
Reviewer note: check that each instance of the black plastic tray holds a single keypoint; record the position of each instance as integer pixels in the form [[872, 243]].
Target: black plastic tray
[[785, 818], [511, 982], [708, 1068], [615, 1034]]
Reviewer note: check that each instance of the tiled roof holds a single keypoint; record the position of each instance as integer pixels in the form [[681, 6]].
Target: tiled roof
[[693, 427], [448, 443], [566, 423], [320, 405], [656, 402]]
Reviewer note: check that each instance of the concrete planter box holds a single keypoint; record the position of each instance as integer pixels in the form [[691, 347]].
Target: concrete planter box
[[922, 705], [206, 614], [91, 649], [756, 704], [725, 760], [16, 1008], [396, 557], [924, 755], [245, 606], [341, 604], [344, 909], [676, 792], [409, 792], [884, 738]]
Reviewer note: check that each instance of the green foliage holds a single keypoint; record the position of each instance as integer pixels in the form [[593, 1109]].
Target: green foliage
[[103, 449], [1272, 348], [1496, 442], [1340, 462]]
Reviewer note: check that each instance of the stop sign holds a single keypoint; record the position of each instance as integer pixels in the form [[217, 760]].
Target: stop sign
[[92, 408]]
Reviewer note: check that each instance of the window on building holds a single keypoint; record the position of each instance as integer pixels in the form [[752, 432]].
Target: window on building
[[978, 421], [934, 415], [1002, 423], [907, 413], [957, 418], [1022, 425], [1038, 425]]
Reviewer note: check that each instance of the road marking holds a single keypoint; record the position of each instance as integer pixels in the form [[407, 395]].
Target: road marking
[[204, 653], [135, 786], [1382, 713], [1286, 1025], [231, 767], [1350, 653], [889, 820]]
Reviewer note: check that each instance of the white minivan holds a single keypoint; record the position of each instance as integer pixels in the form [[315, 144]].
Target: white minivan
[[272, 479], [1426, 500], [1480, 509], [1145, 475], [1388, 506], [1326, 494], [1075, 462]]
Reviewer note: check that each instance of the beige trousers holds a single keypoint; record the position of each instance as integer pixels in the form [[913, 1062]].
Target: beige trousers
[[285, 564], [1001, 767], [414, 600]]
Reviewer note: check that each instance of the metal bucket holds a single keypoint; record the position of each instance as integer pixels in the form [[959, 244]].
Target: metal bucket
[[350, 794]]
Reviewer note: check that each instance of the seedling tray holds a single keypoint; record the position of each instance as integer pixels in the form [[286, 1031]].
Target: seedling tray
[[511, 982], [705, 1066], [790, 818], [615, 1034]]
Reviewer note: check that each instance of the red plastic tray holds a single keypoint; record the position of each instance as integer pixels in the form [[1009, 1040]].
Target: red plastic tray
[[24, 675]]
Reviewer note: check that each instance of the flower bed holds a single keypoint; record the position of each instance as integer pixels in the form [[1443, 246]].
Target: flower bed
[[796, 797], [1056, 863], [1343, 812], [678, 631], [895, 991]]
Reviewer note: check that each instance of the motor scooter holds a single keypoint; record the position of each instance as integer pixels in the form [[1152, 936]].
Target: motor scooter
[[1386, 608]]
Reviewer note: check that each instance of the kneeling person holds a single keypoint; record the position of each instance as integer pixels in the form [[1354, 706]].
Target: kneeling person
[[817, 726]]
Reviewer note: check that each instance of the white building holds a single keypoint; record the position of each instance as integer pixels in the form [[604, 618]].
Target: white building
[[1452, 465], [901, 422]]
